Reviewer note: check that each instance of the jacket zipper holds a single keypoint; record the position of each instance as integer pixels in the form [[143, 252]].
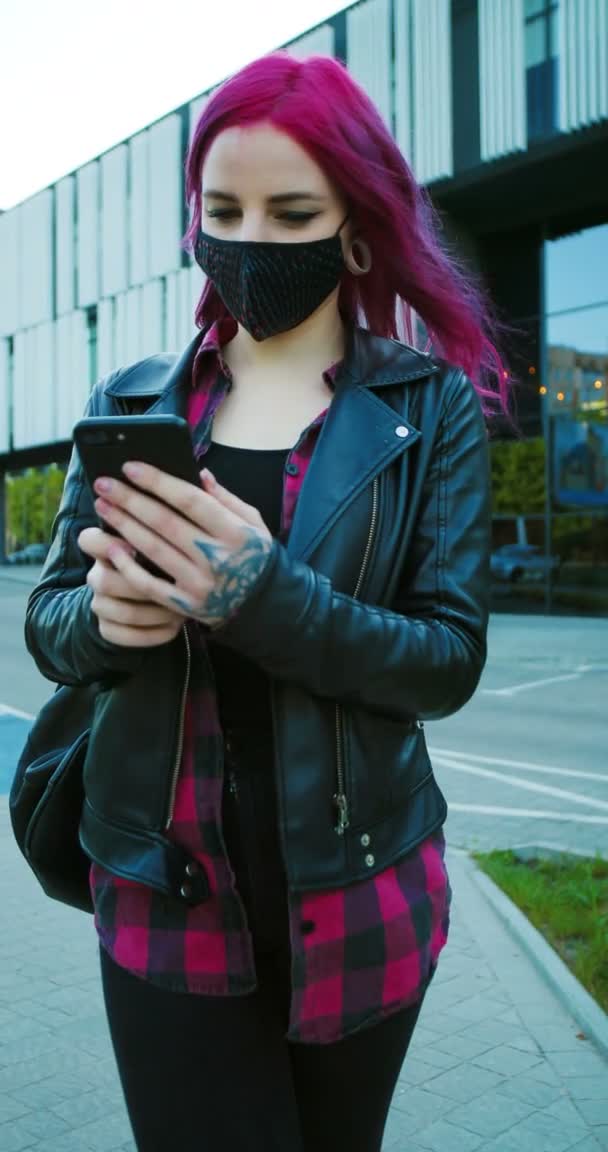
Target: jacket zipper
[[180, 734], [340, 798]]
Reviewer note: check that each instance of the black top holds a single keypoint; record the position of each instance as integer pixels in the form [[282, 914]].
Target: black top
[[243, 689]]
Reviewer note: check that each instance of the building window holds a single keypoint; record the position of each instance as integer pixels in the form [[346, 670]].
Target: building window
[[542, 49]]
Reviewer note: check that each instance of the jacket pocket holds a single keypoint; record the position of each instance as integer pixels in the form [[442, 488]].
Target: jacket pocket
[[131, 753], [387, 763]]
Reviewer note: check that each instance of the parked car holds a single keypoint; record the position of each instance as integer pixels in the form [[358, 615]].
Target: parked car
[[31, 554], [513, 562]]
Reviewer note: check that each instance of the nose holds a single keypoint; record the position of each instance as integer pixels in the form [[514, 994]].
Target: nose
[[253, 226]]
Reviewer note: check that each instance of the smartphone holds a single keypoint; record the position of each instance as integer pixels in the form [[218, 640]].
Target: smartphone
[[105, 444]]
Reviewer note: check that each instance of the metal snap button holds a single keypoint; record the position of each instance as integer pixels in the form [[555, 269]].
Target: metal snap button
[[402, 432], [192, 869], [186, 891], [292, 469], [365, 840], [370, 860]]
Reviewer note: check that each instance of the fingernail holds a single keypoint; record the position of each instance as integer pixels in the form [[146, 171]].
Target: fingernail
[[132, 470], [207, 475], [103, 485]]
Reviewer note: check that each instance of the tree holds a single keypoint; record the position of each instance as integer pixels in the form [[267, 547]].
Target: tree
[[518, 476], [32, 500]]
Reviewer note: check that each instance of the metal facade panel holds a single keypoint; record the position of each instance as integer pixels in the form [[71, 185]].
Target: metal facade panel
[[133, 339], [368, 39], [114, 224], [121, 353], [502, 77], [165, 196], [430, 58], [583, 63], [593, 88], [404, 79], [34, 400], [194, 110], [36, 260], [139, 183], [152, 318], [446, 113], [87, 179], [183, 291], [484, 71], [65, 245], [602, 58], [106, 360], [10, 272], [20, 405], [195, 283], [422, 96], [520, 116], [502, 46], [72, 368], [582, 54], [172, 311], [42, 386], [4, 397], [319, 42]]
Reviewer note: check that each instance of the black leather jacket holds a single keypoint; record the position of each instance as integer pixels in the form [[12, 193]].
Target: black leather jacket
[[371, 619]]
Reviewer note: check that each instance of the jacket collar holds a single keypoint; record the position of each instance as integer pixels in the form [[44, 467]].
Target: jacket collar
[[361, 434], [370, 362]]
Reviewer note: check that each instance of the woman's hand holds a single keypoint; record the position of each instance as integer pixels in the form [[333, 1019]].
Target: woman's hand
[[214, 545], [124, 618]]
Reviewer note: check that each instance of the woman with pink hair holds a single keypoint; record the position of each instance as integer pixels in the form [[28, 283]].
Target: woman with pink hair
[[261, 813]]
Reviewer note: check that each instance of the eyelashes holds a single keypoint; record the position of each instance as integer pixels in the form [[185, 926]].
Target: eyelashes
[[285, 217]]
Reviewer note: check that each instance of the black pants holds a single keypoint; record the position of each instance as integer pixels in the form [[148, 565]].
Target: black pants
[[215, 1074]]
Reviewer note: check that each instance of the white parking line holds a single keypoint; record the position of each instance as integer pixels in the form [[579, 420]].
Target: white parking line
[[6, 710], [526, 785], [525, 813], [512, 691], [525, 765]]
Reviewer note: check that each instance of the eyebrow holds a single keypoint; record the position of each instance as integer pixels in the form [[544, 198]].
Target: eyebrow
[[278, 198]]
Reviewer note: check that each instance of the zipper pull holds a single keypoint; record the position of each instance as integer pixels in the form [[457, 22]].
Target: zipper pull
[[233, 787], [342, 805]]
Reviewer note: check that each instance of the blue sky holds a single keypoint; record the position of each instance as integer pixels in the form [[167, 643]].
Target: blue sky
[[77, 77]]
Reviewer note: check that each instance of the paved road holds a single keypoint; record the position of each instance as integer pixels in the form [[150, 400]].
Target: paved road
[[526, 762]]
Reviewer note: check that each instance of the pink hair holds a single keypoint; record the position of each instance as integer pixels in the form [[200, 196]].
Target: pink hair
[[318, 104]]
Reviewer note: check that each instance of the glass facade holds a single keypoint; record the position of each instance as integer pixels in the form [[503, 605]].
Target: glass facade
[[576, 296], [576, 405]]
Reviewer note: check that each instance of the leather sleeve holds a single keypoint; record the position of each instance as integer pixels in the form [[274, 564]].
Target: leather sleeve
[[425, 659], [61, 631]]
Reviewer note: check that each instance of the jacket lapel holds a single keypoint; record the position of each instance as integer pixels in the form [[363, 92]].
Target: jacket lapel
[[360, 437]]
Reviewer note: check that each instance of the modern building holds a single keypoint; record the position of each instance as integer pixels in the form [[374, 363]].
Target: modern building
[[501, 107]]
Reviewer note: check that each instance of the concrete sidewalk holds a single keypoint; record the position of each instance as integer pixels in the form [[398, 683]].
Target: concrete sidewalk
[[496, 1064]]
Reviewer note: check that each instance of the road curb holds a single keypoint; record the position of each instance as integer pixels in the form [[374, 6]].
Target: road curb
[[575, 999]]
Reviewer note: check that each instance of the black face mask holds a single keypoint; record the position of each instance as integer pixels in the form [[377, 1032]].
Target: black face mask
[[269, 287]]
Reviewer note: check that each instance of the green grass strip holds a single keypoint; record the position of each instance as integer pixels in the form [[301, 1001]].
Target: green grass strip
[[566, 899]]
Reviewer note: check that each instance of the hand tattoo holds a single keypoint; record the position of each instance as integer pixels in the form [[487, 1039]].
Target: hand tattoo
[[235, 578]]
